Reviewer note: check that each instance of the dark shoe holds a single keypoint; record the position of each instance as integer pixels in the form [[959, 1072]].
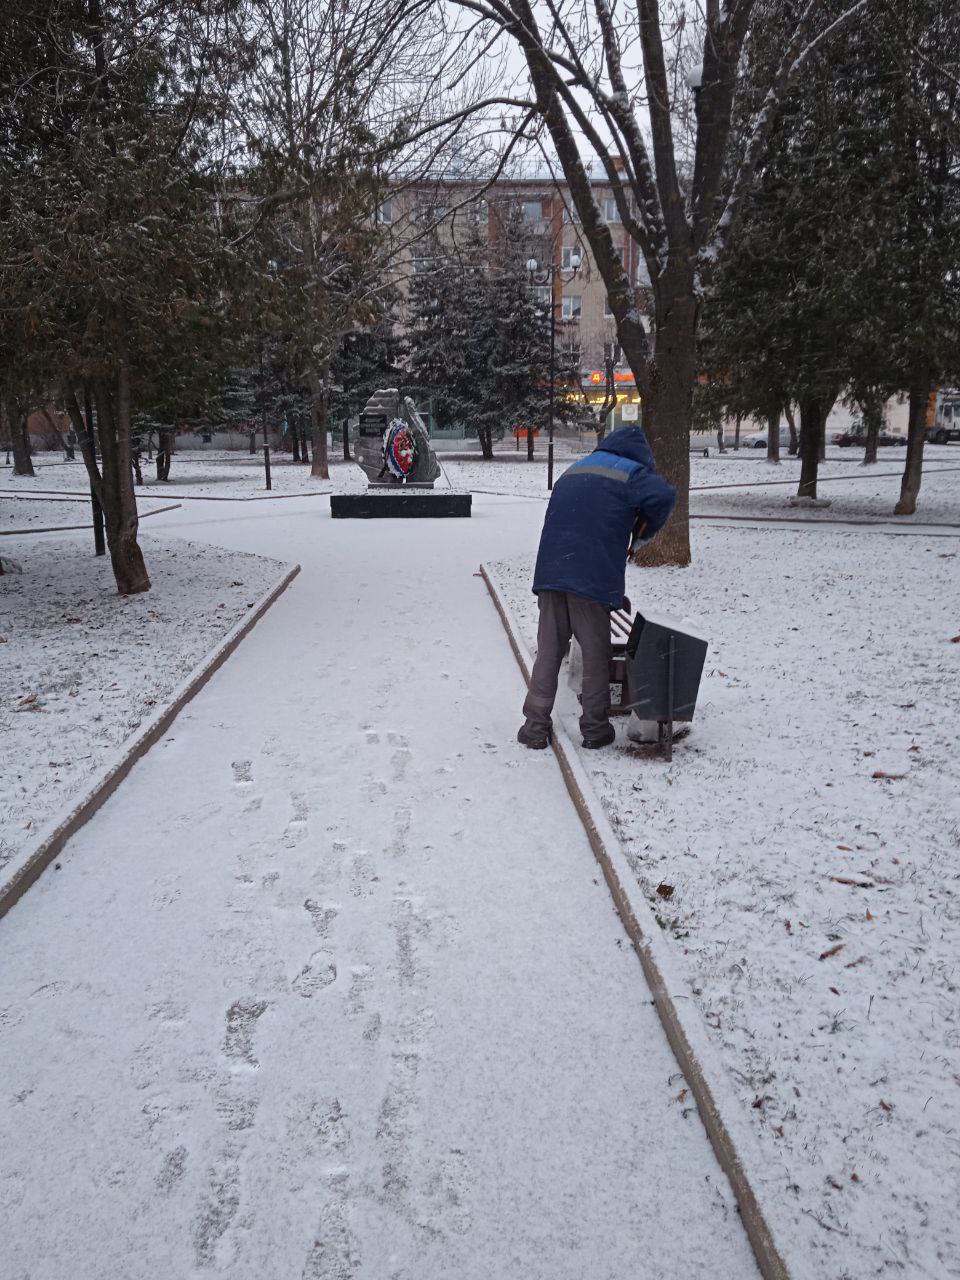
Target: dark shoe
[[604, 740], [535, 740]]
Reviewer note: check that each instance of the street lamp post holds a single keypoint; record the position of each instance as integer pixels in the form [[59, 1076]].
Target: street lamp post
[[263, 422], [550, 272]]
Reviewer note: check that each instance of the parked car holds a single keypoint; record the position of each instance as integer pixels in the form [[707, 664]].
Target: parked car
[[758, 439], [857, 435], [943, 435]]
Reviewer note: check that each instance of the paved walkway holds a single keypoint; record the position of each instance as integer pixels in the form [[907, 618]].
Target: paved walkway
[[332, 988]]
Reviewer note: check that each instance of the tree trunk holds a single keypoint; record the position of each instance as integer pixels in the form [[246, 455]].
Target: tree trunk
[[792, 424], [304, 450], [872, 410], [667, 397], [346, 440], [317, 383], [164, 450], [773, 436], [485, 436], [811, 432], [118, 499], [920, 386], [82, 422], [294, 438], [19, 438]]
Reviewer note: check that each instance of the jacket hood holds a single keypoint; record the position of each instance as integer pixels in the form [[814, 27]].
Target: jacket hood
[[629, 442]]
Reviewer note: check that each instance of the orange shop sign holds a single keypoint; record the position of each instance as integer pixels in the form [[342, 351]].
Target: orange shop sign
[[597, 376]]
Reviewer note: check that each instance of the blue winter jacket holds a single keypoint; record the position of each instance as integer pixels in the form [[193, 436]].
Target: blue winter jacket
[[591, 514]]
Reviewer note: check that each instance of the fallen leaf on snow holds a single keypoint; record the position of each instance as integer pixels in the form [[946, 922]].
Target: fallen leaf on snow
[[832, 951], [955, 639], [869, 914], [28, 701], [682, 1095], [890, 777], [853, 963], [856, 884], [845, 847], [886, 1106], [665, 890], [835, 991]]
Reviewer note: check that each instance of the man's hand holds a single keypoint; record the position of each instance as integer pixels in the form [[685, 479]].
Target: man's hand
[[637, 533]]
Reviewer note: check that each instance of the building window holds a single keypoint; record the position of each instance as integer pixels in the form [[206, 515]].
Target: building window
[[544, 295], [532, 210], [385, 213], [429, 212], [567, 255], [479, 213], [571, 306], [610, 211], [570, 214]]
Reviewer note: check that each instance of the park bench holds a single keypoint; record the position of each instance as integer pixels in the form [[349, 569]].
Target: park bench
[[655, 669], [621, 624]]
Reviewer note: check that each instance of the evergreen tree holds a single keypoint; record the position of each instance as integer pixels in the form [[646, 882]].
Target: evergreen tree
[[480, 340], [844, 275]]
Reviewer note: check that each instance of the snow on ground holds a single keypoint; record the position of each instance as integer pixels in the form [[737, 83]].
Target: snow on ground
[[851, 489], [730, 484], [355, 1002], [81, 667], [192, 474], [855, 492], [810, 831], [48, 513]]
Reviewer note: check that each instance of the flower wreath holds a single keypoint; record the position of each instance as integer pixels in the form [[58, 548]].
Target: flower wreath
[[399, 449]]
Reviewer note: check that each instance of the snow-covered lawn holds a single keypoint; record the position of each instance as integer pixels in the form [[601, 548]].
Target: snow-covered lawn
[[803, 850], [81, 667], [853, 491], [746, 484], [51, 513], [195, 474]]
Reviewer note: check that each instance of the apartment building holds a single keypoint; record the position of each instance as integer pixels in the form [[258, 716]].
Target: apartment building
[[452, 212]]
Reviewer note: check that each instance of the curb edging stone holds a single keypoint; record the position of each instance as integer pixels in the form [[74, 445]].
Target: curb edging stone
[[112, 774], [730, 1138]]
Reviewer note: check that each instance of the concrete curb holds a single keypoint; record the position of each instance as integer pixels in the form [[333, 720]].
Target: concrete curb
[[732, 1142], [72, 528], [56, 834]]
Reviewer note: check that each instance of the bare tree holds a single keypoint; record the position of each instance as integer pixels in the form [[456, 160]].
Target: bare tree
[[649, 89], [326, 105]]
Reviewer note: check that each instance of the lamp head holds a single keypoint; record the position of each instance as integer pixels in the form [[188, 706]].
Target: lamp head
[[532, 265]]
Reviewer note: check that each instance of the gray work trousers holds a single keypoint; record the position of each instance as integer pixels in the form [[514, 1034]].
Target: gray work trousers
[[563, 615]]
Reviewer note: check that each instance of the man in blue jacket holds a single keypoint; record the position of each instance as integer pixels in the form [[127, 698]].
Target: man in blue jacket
[[601, 508]]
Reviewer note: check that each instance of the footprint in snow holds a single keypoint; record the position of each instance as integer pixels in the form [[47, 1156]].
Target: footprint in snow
[[242, 772], [319, 972], [242, 1017]]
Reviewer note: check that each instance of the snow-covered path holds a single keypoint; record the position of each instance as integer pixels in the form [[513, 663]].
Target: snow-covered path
[[332, 988]]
